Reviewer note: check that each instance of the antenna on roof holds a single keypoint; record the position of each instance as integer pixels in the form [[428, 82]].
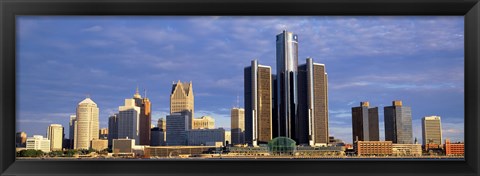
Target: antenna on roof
[[145, 93], [238, 101]]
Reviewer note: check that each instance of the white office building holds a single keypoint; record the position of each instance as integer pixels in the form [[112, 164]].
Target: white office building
[[38, 142]]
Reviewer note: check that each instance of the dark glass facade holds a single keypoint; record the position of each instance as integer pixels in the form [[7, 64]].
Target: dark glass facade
[[398, 123], [177, 125], [287, 98], [365, 123], [112, 129]]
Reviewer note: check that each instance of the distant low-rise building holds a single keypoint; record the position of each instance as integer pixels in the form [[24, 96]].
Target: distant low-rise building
[[99, 144], [175, 151], [454, 148], [228, 137], [407, 149], [103, 133], [123, 147], [204, 122], [373, 148], [38, 142]]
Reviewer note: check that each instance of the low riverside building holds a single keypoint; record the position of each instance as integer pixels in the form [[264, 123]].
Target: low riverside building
[[248, 151], [123, 147], [99, 144], [369, 148], [318, 151], [407, 149], [38, 142], [199, 137], [175, 151], [452, 148]]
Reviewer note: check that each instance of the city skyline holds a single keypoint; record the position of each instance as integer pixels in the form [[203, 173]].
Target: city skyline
[[215, 97]]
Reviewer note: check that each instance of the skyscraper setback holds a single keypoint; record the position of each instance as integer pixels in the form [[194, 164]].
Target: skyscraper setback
[[287, 97], [258, 103], [398, 123], [145, 117], [128, 121], [365, 123], [182, 100]]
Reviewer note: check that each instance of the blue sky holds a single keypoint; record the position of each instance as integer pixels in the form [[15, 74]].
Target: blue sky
[[419, 60]]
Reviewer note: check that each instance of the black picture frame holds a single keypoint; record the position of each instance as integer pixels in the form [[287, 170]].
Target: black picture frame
[[9, 9]]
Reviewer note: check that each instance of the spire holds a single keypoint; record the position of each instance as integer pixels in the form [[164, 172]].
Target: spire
[[137, 94]]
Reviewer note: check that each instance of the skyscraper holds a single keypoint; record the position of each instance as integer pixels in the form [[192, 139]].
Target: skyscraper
[[182, 100], [177, 125], [20, 139], [128, 121], [258, 103], [145, 117], [431, 130], [312, 124], [86, 124], [237, 123], [55, 135], [71, 130], [286, 98], [365, 123], [112, 129], [398, 123]]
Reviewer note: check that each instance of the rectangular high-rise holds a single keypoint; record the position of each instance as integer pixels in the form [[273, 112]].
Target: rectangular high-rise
[[312, 120], [398, 123], [286, 97], [258, 103], [71, 130], [177, 125], [128, 121], [365, 123], [237, 125], [182, 100], [55, 135], [112, 129], [431, 130]]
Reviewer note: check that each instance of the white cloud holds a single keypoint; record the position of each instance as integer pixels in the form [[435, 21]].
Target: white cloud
[[93, 29]]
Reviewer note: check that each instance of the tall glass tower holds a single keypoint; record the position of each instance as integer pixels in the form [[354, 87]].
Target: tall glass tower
[[398, 123], [287, 98]]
